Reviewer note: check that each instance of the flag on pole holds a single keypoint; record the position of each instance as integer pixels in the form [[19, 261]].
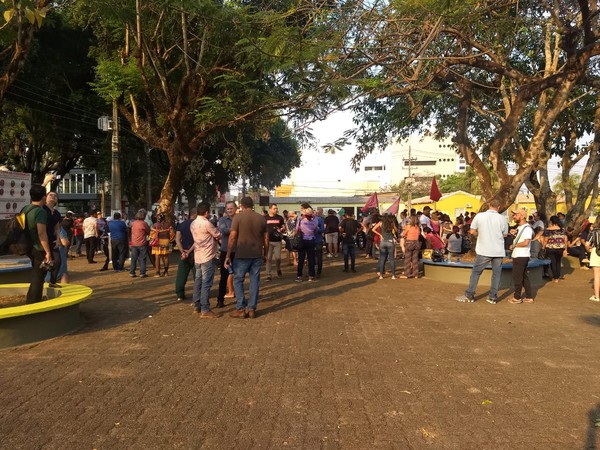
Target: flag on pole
[[435, 193], [393, 210], [371, 203]]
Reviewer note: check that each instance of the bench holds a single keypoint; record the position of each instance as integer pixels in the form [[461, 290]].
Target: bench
[[33, 322], [460, 272]]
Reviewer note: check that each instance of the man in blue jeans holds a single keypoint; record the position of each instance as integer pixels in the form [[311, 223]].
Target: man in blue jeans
[[490, 228], [248, 235], [206, 237]]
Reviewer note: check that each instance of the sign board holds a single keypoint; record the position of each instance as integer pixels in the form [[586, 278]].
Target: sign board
[[14, 193]]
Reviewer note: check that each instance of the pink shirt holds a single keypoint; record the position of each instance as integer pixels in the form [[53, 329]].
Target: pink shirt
[[205, 236], [139, 231]]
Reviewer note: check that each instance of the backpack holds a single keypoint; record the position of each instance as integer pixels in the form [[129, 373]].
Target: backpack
[[18, 240]]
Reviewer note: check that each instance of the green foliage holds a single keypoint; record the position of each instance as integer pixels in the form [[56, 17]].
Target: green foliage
[[115, 79]]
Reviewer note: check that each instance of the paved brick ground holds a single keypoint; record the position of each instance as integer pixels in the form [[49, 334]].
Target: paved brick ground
[[348, 362]]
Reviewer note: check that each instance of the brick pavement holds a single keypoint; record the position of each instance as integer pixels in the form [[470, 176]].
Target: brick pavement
[[348, 362]]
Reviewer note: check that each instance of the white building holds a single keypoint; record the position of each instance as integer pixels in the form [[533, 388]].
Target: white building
[[326, 174]]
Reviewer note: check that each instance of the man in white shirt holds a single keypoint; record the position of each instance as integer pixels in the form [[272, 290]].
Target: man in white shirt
[[490, 228], [90, 236], [425, 218], [520, 253], [206, 248]]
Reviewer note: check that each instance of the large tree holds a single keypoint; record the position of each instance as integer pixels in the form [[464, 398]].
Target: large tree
[[49, 112], [19, 21], [494, 74], [182, 71]]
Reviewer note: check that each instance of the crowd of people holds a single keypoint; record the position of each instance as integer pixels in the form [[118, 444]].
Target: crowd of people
[[241, 240]]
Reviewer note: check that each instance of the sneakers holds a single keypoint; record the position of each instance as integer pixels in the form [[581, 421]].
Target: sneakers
[[180, 299], [594, 298], [132, 275], [465, 299], [143, 275], [311, 279], [209, 315], [394, 277], [298, 279], [54, 285], [329, 255], [492, 301], [379, 276], [268, 278]]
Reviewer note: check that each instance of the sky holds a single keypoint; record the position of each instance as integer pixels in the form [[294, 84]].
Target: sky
[[318, 166]]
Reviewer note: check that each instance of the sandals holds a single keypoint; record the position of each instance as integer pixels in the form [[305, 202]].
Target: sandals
[[515, 301]]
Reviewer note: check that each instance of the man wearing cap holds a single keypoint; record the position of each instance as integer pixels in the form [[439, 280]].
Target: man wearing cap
[[425, 218], [490, 228], [520, 254]]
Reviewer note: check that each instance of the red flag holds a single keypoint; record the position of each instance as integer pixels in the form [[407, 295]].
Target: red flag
[[371, 203], [393, 210], [435, 193]]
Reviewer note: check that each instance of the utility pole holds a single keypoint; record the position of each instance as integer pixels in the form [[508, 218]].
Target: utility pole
[[115, 188], [148, 178], [409, 180]]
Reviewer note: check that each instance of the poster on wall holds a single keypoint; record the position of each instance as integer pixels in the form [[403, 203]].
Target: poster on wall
[[14, 192]]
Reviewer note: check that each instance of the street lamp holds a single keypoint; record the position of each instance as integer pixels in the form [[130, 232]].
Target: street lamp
[[105, 124]]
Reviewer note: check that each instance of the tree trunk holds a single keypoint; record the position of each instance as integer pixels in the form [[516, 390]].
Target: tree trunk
[[545, 199], [172, 186]]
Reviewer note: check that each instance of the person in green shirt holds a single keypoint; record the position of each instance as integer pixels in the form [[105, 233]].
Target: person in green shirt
[[41, 254]]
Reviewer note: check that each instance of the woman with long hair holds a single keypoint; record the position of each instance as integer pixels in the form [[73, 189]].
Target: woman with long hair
[[387, 232], [161, 236], [412, 246], [556, 244]]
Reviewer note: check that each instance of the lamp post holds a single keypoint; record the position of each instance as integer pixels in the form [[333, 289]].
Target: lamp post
[[105, 124]]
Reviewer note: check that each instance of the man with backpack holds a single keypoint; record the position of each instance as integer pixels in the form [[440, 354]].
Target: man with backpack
[[40, 255]]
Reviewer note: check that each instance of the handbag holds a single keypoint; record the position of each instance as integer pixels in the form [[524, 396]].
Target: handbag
[[297, 240], [154, 240]]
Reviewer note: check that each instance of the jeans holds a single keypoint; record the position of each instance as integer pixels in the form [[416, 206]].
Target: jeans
[[349, 251], [481, 262], [224, 276], [205, 274], [90, 248], [307, 251], [183, 272], [119, 250], [274, 253], [521, 277], [386, 250], [54, 275], [555, 256], [78, 244], [138, 253], [36, 288], [242, 266]]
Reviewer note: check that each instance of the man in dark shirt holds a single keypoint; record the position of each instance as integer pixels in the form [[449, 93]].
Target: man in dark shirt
[[52, 229], [250, 240], [349, 228], [332, 225], [118, 241], [275, 227], [185, 243]]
